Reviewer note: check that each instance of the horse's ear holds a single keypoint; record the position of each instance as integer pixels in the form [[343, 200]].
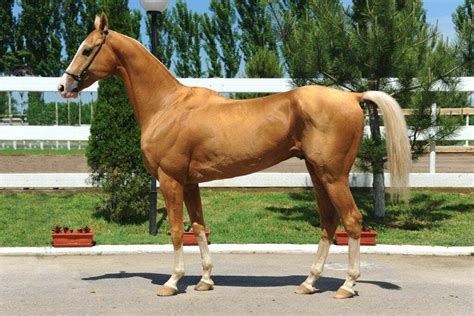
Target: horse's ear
[[101, 23]]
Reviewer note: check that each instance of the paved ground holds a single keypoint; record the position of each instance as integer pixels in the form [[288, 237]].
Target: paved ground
[[256, 284], [445, 162]]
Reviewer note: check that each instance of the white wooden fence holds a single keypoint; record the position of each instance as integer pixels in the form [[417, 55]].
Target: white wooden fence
[[81, 133]]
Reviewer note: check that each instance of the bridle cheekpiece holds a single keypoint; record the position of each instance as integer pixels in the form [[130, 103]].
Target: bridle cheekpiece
[[82, 72]]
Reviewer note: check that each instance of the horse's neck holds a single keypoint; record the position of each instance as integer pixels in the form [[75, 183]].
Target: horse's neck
[[149, 84]]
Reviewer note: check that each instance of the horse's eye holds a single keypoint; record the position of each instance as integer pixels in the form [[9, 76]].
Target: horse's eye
[[87, 51]]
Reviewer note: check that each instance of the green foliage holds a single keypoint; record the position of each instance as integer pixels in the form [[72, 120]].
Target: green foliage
[[42, 113], [114, 145], [4, 104], [39, 36], [164, 39], [463, 23], [264, 64], [225, 18], [255, 23], [209, 30], [8, 60], [187, 37], [370, 151], [78, 21]]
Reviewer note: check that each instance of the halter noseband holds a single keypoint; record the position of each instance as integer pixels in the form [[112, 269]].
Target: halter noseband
[[80, 76]]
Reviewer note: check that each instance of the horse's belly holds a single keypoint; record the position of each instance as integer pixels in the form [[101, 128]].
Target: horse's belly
[[229, 168]]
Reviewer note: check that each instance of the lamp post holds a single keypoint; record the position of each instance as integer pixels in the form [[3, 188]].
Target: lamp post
[[153, 8]]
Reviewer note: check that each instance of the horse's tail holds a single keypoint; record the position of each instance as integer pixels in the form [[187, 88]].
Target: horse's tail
[[398, 145]]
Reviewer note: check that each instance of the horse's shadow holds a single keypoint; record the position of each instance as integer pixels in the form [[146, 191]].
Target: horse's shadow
[[323, 284]]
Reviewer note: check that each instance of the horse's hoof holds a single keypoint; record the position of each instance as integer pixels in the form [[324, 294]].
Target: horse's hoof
[[305, 289], [204, 286], [342, 293], [167, 291]]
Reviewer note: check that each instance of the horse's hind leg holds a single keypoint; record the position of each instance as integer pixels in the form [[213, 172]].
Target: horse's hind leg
[[328, 222], [192, 199]]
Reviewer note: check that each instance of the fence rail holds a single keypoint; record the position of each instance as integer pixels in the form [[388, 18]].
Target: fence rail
[[255, 180], [251, 85]]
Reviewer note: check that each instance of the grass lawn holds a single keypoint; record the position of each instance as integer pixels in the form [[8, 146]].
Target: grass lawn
[[9, 151], [432, 218]]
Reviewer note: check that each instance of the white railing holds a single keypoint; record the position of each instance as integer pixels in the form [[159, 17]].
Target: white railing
[[49, 84]]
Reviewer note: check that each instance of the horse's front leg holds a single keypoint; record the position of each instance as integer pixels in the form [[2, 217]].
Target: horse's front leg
[[192, 199], [172, 192]]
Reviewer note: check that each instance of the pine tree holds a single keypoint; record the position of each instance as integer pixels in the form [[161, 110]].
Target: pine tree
[[187, 38], [361, 49], [464, 25], [114, 152], [225, 18]]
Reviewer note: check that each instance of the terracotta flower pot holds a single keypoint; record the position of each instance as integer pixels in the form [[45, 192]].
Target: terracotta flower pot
[[190, 240], [367, 238], [74, 239]]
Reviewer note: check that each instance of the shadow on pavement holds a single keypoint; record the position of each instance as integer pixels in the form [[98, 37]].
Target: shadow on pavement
[[323, 284]]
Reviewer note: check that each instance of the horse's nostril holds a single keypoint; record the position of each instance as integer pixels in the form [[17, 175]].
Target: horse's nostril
[[61, 88]]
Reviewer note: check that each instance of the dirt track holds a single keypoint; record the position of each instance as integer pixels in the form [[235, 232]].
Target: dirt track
[[445, 162]]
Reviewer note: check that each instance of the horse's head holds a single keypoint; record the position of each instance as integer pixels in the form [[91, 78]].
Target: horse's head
[[94, 60]]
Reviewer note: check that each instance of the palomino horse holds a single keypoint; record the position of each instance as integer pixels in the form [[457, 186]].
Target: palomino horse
[[192, 135]]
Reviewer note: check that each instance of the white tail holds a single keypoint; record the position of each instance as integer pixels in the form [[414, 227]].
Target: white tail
[[398, 145]]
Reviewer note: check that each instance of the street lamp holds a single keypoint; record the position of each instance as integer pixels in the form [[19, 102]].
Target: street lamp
[[153, 8]]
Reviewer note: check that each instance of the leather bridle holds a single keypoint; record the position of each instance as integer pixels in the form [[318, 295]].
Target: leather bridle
[[82, 72]]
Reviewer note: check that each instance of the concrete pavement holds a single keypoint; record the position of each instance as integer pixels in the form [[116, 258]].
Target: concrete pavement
[[245, 283]]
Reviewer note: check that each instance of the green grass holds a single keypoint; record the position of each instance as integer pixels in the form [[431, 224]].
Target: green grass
[[10, 151], [432, 218]]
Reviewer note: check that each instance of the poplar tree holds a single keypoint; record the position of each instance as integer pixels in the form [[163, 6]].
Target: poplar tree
[[7, 38], [187, 40], [8, 59], [78, 22], [40, 36], [113, 152], [256, 26], [363, 47], [225, 17], [209, 30]]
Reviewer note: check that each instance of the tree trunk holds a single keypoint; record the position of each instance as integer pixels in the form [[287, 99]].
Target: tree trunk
[[377, 165]]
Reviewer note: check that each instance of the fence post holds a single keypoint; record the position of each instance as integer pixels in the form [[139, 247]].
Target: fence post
[[57, 115], [467, 125], [10, 115], [79, 110], [433, 144]]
